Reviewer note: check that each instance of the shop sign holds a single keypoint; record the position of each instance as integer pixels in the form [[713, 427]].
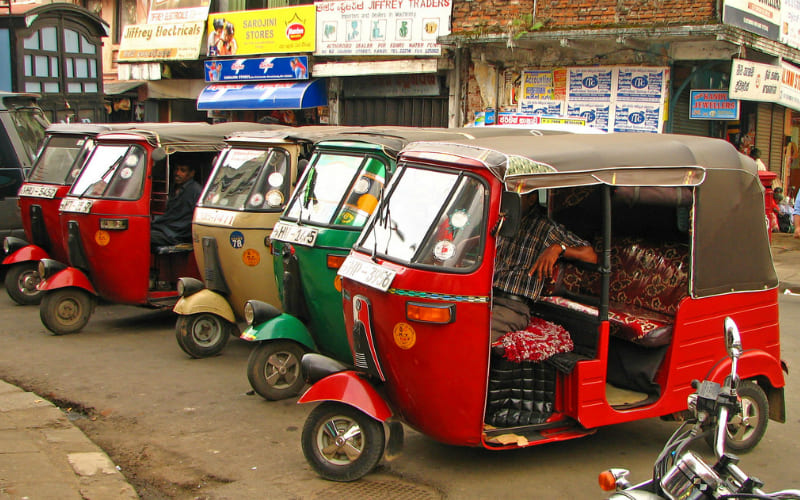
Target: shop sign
[[790, 86], [752, 81], [712, 105], [395, 86], [161, 42], [762, 17], [522, 119], [267, 31], [790, 23], [382, 27], [262, 68], [173, 11]]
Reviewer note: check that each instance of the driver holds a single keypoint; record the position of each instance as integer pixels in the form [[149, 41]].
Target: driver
[[175, 224], [525, 261]]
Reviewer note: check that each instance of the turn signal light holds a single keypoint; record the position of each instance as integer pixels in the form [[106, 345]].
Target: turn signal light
[[335, 261], [431, 313], [607, 481]]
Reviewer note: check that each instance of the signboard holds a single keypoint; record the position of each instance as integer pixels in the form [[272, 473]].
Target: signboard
[[173, 11], [161, 42], [381, 27], [752, 81], [395, 86], [712, 105], [762, 17], [790, 23], [264, 68], [267, 31], [790, 86], [520, 119]]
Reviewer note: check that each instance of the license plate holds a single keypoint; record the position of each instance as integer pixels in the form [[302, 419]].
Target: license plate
[[75, 205], [367, 273], [38, 191], [292, 233], [211, 216]]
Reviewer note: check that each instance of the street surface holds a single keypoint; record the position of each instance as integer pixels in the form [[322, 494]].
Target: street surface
[[183, 428]]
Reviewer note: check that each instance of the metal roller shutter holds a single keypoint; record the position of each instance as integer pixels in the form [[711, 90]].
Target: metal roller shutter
[[681, 124], [404, 111]]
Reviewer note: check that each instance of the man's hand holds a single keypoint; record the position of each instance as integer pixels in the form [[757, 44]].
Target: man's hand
[[546, 263]]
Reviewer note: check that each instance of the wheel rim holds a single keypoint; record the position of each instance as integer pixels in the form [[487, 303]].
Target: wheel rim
[[68, 311], [282, 369], [206, 331], [27, 281], [743, 425], [340, 440]]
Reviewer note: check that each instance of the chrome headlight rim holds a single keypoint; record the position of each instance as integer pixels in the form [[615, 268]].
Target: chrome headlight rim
[[257, 312], [188, 286]]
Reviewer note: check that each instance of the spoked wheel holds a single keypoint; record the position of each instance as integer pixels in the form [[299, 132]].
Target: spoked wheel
[[66, 310], [274, 371], [746, 429], [341, 443], [202, 335], [21, 280]]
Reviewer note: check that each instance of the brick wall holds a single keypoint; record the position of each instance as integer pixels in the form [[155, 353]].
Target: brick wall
[[493, 16]]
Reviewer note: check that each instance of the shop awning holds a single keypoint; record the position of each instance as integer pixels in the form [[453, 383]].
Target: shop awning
[[273, 95], [116, 87]]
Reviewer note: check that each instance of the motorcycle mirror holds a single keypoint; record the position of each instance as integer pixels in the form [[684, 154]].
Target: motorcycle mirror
[[733, 340], [158, 154], [511, 209]]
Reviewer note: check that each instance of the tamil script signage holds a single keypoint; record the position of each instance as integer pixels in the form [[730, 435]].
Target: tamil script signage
[[267, 31], [381, 27], [261, 68], [161, 42], [712, 105]]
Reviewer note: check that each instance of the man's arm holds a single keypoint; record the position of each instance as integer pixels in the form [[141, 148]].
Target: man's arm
[[545, 264]]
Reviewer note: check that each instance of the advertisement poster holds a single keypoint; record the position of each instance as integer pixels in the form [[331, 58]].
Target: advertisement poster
[[381, 27], [161, 42], [762, 17], [712, 105], [590, 84], [636, 117], [520, 119], [537, 85], [540, 107], [595, 115], [640, 84], [268, 31], [172, 11], [262, 68], [790, 23]]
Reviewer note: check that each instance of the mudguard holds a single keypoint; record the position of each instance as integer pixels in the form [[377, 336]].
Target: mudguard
[[205, 301], [752, 364], [69, 277], [350, 388], [280, 327], [25, 254]]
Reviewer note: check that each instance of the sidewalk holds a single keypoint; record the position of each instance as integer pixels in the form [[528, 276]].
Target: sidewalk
[[786, 257], [44, 456]]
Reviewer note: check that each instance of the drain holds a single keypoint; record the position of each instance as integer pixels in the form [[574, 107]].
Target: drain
[[365, 489]]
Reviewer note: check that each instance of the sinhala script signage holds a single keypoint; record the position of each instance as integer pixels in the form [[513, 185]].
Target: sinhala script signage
[[752, 81], [382, 27]]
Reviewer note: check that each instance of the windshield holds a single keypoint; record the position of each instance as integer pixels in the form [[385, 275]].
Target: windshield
[[338, 189], [112, 171], [61, 159], [249, 179], [431, 218], [31, 125]]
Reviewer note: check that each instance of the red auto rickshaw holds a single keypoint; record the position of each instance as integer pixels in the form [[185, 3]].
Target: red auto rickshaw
[[611, 342], [105, 220]]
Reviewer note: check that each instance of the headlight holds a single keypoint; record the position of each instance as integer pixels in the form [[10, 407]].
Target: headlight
[[49, 267], [11, 244], [257, 312], [248, 313], [189, 286], [274, 198]]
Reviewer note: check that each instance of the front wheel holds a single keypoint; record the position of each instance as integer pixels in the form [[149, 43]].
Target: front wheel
[[202, 335], [66, 310], [274, 370], [745, 430], [21, 280], [341, 443]]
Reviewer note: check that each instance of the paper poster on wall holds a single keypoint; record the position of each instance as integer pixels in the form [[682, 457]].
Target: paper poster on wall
[[640, 84], [595, 114], [590, 84], [537, 85], [541, 107], [637, 117]]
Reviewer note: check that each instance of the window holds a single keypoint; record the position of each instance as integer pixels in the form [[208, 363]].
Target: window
[[249, 179]]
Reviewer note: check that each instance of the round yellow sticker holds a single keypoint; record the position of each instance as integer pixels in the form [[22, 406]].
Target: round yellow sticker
[[404, 335], [251, 257], [102, 237]]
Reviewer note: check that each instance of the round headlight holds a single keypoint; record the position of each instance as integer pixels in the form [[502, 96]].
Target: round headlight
[[249, 315], [274, 198], [188, 286], [181, 287], [41, 269]]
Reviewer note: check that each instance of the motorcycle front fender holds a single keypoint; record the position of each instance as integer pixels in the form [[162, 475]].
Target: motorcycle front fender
[[283, 326], [205, 301], [26, 254], [69, 277], [350, 388]]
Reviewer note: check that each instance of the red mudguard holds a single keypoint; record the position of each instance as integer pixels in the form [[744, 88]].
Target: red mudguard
[[349, 388], [25, 254], [69, 277]]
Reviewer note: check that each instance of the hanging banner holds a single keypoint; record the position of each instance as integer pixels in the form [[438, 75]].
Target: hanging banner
[[712, 105], [173, 11], [161, 42], [266, 68], [267, 31], [381, 27]]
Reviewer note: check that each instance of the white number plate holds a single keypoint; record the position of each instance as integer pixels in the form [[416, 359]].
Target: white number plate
[[367, 273], [38, 191], [211, 216], [76, 205], [292, 233]]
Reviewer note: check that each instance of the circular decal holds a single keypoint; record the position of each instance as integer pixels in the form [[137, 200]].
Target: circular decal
[[132, 160], [337, 283], [274, 198], [275, 179], [237, 239], [75, 172], [459, 219], [102, 237], [347, 217], [444, 250], [126, 173], [251, 257], [256, 199], [362, 185], [404, 335]]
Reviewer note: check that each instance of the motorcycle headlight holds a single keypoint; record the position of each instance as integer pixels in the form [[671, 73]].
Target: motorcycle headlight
[[274, 198], [188, 286], [49, 267], [257, 312], [11, 244]]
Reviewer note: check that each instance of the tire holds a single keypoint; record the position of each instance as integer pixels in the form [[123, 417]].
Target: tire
[[334, 457], [21, 280], [202, 335], [66, 310], [274, 371], [746, 429]]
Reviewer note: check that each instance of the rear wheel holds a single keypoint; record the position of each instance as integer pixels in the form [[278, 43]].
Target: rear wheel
[[202, 335], [746, 429], [274, 371], [66, 310], [342, 443], [21, 280]]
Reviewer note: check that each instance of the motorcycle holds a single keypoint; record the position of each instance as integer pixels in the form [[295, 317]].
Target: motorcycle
[[680, 473]]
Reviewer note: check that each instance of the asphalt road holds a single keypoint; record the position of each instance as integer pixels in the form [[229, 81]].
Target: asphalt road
[[183, 428]]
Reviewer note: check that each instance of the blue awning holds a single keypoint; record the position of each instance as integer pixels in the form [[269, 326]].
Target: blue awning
[[272, 95]]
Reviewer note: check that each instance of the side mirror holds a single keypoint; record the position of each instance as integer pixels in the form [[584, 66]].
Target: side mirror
[[158, 154], [511, 209], [733, 339]]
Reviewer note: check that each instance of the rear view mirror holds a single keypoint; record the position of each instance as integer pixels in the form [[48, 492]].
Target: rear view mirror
[[733, 339], [158, 154], [511, 211]]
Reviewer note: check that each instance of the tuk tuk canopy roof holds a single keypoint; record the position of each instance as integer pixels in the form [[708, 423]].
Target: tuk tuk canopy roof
[[88, 128], [729, 240], [185, 137]]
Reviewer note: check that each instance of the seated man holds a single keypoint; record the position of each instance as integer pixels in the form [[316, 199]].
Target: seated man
[[175, 224], [524, 262]]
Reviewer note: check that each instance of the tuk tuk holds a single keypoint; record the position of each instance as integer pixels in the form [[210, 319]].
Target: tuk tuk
[[63, 152], [22, 126], [241, 203], [611, 342], [106, 220], [334, 198]]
